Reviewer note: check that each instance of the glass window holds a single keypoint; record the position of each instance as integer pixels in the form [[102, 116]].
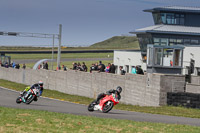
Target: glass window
[[168, 57], [186, 41], [171, 18], [172, 42], [164, 42], [157, 18], [163, 18], [194, 42], [179, 41], [158, 56], [177, 57], [156, 41], [182, 21]]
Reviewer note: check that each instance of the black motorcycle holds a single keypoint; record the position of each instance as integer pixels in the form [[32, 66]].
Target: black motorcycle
[[32, 95]]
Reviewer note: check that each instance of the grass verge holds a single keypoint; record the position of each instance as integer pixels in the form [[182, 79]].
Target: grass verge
[[164, 110], [23, 120], [63, 55]]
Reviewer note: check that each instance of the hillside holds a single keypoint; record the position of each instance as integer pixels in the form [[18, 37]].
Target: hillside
[[118, 42]]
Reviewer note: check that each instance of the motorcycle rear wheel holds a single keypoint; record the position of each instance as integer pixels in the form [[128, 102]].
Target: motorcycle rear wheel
[[107, 106], [91, 106]]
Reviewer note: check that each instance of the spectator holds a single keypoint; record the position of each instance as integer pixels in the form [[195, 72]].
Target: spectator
[[6, 65], [64, 68], [79, 67], [24, 66], [108, 68], [13, 64], [84, 67], [133, 71], [46, 66], [112, 68], [43, 67], [96, 66], [102, 66], [122, 71], [92, 68], [17, 66], [74, 66], [139, 70], [58, 68]]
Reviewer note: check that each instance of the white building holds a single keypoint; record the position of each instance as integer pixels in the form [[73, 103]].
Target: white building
[[129, 58]]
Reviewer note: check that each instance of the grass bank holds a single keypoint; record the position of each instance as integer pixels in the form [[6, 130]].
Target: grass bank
[[68, 64], [22, 120], [164, 110], [63, 55]]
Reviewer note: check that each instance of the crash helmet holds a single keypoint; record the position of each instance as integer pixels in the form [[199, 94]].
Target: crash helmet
[[119, 89], [40, 83]]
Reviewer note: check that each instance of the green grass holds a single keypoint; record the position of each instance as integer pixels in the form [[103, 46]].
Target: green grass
[[69, 64], [118, 42], [64, 55], [23, 120], [164, 110]]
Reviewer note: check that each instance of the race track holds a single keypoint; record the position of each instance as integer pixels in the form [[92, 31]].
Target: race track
[[8, 97]]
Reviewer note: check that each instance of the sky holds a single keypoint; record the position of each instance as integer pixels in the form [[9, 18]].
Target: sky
[[84, 22]]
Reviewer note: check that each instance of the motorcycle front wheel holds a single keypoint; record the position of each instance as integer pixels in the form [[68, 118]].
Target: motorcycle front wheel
[[107, 106], [30, 99], [18, 100]]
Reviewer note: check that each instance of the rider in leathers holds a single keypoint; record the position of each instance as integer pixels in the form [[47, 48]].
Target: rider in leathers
[[38, 86], [102, 95]]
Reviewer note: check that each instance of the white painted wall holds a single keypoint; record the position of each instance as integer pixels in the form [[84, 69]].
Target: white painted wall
[[191, 52], [128, 57]]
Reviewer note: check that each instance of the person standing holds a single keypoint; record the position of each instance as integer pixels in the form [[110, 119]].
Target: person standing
[[139, 70], [112, 69]]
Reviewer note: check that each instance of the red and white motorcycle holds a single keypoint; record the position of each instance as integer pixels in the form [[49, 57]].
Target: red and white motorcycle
[[105, 105]]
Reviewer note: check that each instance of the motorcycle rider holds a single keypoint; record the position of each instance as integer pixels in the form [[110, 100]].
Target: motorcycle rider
[[38, 86], [117, 91]]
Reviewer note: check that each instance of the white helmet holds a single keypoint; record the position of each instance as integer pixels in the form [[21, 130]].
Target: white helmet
[[40, 83]]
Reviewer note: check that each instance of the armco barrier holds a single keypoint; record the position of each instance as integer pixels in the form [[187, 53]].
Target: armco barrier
[[143, 90]]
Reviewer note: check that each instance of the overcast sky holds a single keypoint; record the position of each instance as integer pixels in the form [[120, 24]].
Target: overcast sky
[[84, 22]]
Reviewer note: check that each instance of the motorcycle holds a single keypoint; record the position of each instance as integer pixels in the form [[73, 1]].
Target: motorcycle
[[105, 105], [33, 94]]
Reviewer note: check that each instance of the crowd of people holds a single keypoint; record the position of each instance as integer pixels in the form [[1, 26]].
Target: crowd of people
[[134, 70], [99, 67], [44, 65], [12, 65]]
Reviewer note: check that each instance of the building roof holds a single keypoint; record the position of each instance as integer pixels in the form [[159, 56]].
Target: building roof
[[175, 9], [169, 29]]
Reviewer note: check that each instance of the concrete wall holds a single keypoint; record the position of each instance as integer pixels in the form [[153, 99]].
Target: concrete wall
[[193, 88], [143, 90], [195, 80]]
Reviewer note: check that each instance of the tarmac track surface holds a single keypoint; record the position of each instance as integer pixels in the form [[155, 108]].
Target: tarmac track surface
[[8, 98]]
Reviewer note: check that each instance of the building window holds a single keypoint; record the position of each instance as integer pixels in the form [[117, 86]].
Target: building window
[[186, 41], [127, 68], [158, 56], [172, 42], [194, 42], [179, 41], [164, 42], [168, 57], [172, 18], [177, 57]]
